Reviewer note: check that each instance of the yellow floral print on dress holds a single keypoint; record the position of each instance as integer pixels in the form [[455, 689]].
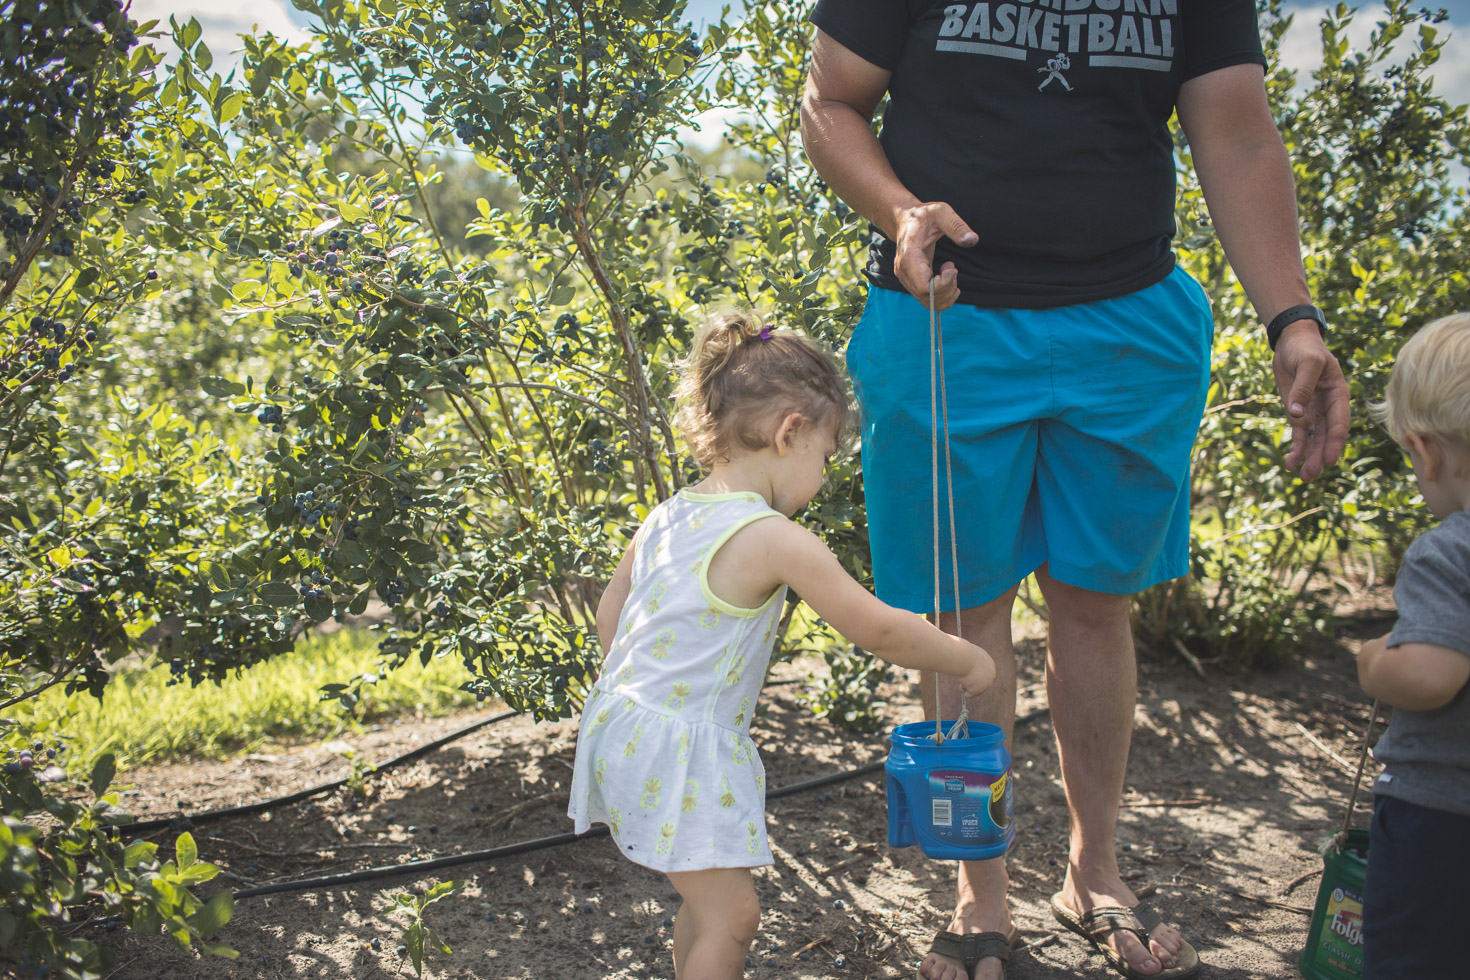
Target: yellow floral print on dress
[[698, 566], [742, 750], [600, 719], [691, 796], [665, 839], [740, 715], [675, 702], [631, 749], [601, 770], [760, 783], [625, 676], [732, 676], [615, 819], [658, 593], [697, 521], [651, 788], [683, 755], [709, 619], [752, 844], [662, 642], [727, 798]]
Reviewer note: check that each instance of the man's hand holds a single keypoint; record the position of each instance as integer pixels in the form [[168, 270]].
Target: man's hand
[[1315, 395], [919, 228]]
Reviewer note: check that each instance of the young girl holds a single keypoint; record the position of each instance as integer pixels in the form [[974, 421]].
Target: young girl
[[688, 622]]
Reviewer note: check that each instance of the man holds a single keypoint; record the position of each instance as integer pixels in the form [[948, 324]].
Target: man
[[1077, 351]]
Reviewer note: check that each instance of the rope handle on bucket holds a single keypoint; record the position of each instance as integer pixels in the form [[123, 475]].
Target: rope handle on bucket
[[1339, 839], [939, 406]]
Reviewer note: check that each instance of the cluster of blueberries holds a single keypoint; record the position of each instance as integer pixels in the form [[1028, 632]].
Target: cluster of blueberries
[[271, 415], [309, 509], [393, 591], [316, 584], [28, 758], [477, 14]]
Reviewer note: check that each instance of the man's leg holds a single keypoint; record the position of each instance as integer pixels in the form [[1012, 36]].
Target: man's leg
[[1091, 685], [980, 900]]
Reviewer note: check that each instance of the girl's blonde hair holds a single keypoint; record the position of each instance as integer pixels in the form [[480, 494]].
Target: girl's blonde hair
[[1429, 389], [741, 374]]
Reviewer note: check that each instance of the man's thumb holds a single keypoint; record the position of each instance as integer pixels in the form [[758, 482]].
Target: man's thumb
[[956, 229], [1302, 388]]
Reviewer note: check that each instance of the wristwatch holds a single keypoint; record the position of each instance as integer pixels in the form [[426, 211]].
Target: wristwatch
[[1291, 315]]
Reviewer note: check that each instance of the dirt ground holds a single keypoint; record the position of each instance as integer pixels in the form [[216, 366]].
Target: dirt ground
[[1233, 782]]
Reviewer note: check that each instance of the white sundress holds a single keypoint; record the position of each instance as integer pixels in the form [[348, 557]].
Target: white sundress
[[664, 756]]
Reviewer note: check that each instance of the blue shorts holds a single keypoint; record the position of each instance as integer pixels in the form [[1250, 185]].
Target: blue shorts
[[1071, 431]]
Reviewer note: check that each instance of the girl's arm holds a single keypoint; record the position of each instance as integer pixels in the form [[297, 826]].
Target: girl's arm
[[1413, 676], [798, 557], [610, 606]]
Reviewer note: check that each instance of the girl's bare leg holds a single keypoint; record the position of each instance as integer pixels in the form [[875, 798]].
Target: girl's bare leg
[[716, 924]]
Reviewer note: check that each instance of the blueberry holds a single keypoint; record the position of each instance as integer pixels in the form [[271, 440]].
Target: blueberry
[[376, 943], [401, 950], [839, 904], [840, 961], [668, 922], [804, 955]]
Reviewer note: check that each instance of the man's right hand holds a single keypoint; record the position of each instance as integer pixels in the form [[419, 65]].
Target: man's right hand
[[919, 228]]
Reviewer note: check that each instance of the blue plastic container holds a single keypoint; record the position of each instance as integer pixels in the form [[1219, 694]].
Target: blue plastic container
[[953, 800]]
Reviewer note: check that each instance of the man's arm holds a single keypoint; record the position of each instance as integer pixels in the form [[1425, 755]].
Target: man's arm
[[1246, 177], [842, 91], [1414, 676]]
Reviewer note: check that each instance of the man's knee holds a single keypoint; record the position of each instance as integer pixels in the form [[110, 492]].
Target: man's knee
[[1083, 608]]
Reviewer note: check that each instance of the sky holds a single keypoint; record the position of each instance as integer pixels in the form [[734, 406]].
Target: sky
[[1301, 49]]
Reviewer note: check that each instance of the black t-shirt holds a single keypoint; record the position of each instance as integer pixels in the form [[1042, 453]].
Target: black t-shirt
[[1045, 125]]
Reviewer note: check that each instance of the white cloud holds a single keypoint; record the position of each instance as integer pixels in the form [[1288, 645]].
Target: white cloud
[[224, 22]]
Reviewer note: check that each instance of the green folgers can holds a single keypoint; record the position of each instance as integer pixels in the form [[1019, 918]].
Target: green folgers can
[[1334, 949]]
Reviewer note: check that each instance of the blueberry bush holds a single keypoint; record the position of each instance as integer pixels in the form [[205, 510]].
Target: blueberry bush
[[1383, 226], [391, 316]]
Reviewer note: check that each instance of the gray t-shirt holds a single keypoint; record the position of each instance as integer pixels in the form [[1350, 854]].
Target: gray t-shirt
[[1427, 753]]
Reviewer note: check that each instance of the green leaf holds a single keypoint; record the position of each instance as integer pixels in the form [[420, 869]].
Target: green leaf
[[230, 108], [102, 773], [190, 33], [278, 594], [221, 387], [202, 57], [351, 212], [215, 914], [185, 853], [219, 949], [219, 577]]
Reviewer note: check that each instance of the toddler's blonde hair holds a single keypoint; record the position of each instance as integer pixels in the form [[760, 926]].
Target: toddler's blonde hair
[[1429, 389], [741, 374]]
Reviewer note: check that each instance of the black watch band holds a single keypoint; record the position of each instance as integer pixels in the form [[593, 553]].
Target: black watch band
[[1289, 316]]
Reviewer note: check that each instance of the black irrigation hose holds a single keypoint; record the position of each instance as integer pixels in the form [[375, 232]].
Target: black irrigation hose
[[210, 816], [508, 850], [540, 843]]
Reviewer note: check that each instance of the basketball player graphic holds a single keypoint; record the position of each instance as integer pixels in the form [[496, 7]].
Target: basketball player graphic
[[1054, 69]]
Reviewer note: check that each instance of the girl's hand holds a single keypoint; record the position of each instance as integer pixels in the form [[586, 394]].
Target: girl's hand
[[982, 671]]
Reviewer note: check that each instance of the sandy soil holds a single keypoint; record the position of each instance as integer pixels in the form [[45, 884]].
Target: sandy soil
[[1233, 782]]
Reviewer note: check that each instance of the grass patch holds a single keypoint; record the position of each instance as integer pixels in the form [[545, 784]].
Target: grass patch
[[142, 719]]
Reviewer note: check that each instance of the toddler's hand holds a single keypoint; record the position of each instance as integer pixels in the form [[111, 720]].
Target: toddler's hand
[[981, 673]]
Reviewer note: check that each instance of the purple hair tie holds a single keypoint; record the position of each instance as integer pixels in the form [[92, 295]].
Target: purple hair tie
[[766, 332]]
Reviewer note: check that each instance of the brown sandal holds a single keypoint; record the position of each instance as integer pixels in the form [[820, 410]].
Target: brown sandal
[[973, 947], [1097, 924]]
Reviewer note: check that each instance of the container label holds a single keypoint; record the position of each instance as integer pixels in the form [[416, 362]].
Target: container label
[[1340, 946], [969, 808]]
